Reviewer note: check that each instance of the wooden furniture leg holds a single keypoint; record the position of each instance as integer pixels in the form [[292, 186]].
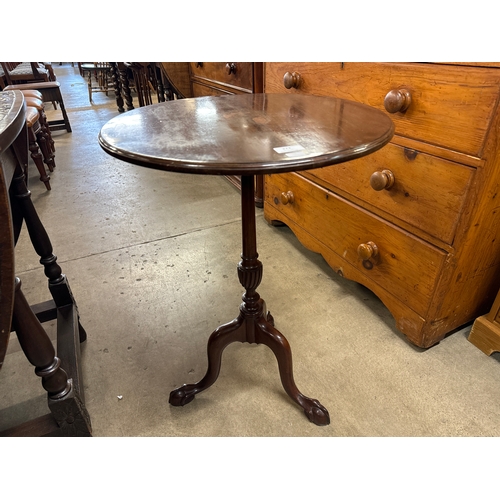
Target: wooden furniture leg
[[43, 141], [58, 283], [115, 78], [34, 135], [253, 324], [37, 102], [485, 332], [61, 374], [38, 348], [64, 401], [125, 86]]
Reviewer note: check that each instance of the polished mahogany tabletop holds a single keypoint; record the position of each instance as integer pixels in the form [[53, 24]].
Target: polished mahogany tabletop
[[246, 133]]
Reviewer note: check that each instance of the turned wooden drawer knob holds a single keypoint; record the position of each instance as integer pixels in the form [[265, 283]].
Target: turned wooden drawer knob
[[231, 68], [287, 198], [291, 80], [367, 250], [382, 180], [397, 100]]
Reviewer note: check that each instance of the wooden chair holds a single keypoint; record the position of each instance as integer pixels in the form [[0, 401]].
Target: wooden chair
[[98, 77], [145, 82], [51, 92], [123, 82], [37, 142], [28, 72], [36, 102], [141, 78], [60, 371], [3, 79]]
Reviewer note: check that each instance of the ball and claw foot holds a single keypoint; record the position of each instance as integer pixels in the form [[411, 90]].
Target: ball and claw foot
[[317, 413], [182, 396]]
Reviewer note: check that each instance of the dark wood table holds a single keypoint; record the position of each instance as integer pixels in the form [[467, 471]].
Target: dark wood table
[[247, 135]]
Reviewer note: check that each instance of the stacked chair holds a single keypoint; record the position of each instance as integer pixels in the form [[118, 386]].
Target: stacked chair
[[28, 72], [38, 84], [41, 79], [40, 141]]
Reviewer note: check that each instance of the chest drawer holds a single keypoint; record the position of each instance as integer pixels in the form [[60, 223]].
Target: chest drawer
[[447, 106], [238, 75], [202, 90], [422, 190], [395, 263]]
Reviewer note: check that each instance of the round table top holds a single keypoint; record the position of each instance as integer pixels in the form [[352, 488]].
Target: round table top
[[246, 134], [11, 117]]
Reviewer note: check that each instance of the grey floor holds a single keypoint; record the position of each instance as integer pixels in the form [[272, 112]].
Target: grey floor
[[151, 259]]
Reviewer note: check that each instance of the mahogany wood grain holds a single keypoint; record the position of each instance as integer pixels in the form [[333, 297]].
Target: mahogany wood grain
[[246, 134]]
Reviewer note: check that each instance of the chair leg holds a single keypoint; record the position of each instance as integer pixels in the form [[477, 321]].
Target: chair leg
[[46, 130], [37, 158], [90, 87], [65, 401], [48, 155], [38, 347]]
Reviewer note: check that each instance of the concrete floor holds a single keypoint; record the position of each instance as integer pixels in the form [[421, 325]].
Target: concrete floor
[[151, 259]]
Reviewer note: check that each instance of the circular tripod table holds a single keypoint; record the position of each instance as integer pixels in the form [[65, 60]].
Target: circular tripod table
[[247, 135]]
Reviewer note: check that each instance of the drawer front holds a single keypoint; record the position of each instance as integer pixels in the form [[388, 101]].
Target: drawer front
[[449, 106], [422, 190], [402, 264], [234, 74], [200, 90]]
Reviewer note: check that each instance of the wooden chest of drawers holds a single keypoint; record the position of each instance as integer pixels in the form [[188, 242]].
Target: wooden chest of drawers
[[417, 222], [215, 78]]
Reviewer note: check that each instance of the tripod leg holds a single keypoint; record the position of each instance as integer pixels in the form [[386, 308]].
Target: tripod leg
[[268, 335], [221, 337]]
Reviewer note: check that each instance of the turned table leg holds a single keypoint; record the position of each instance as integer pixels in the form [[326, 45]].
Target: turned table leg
[[64, 401], [23, 206]]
